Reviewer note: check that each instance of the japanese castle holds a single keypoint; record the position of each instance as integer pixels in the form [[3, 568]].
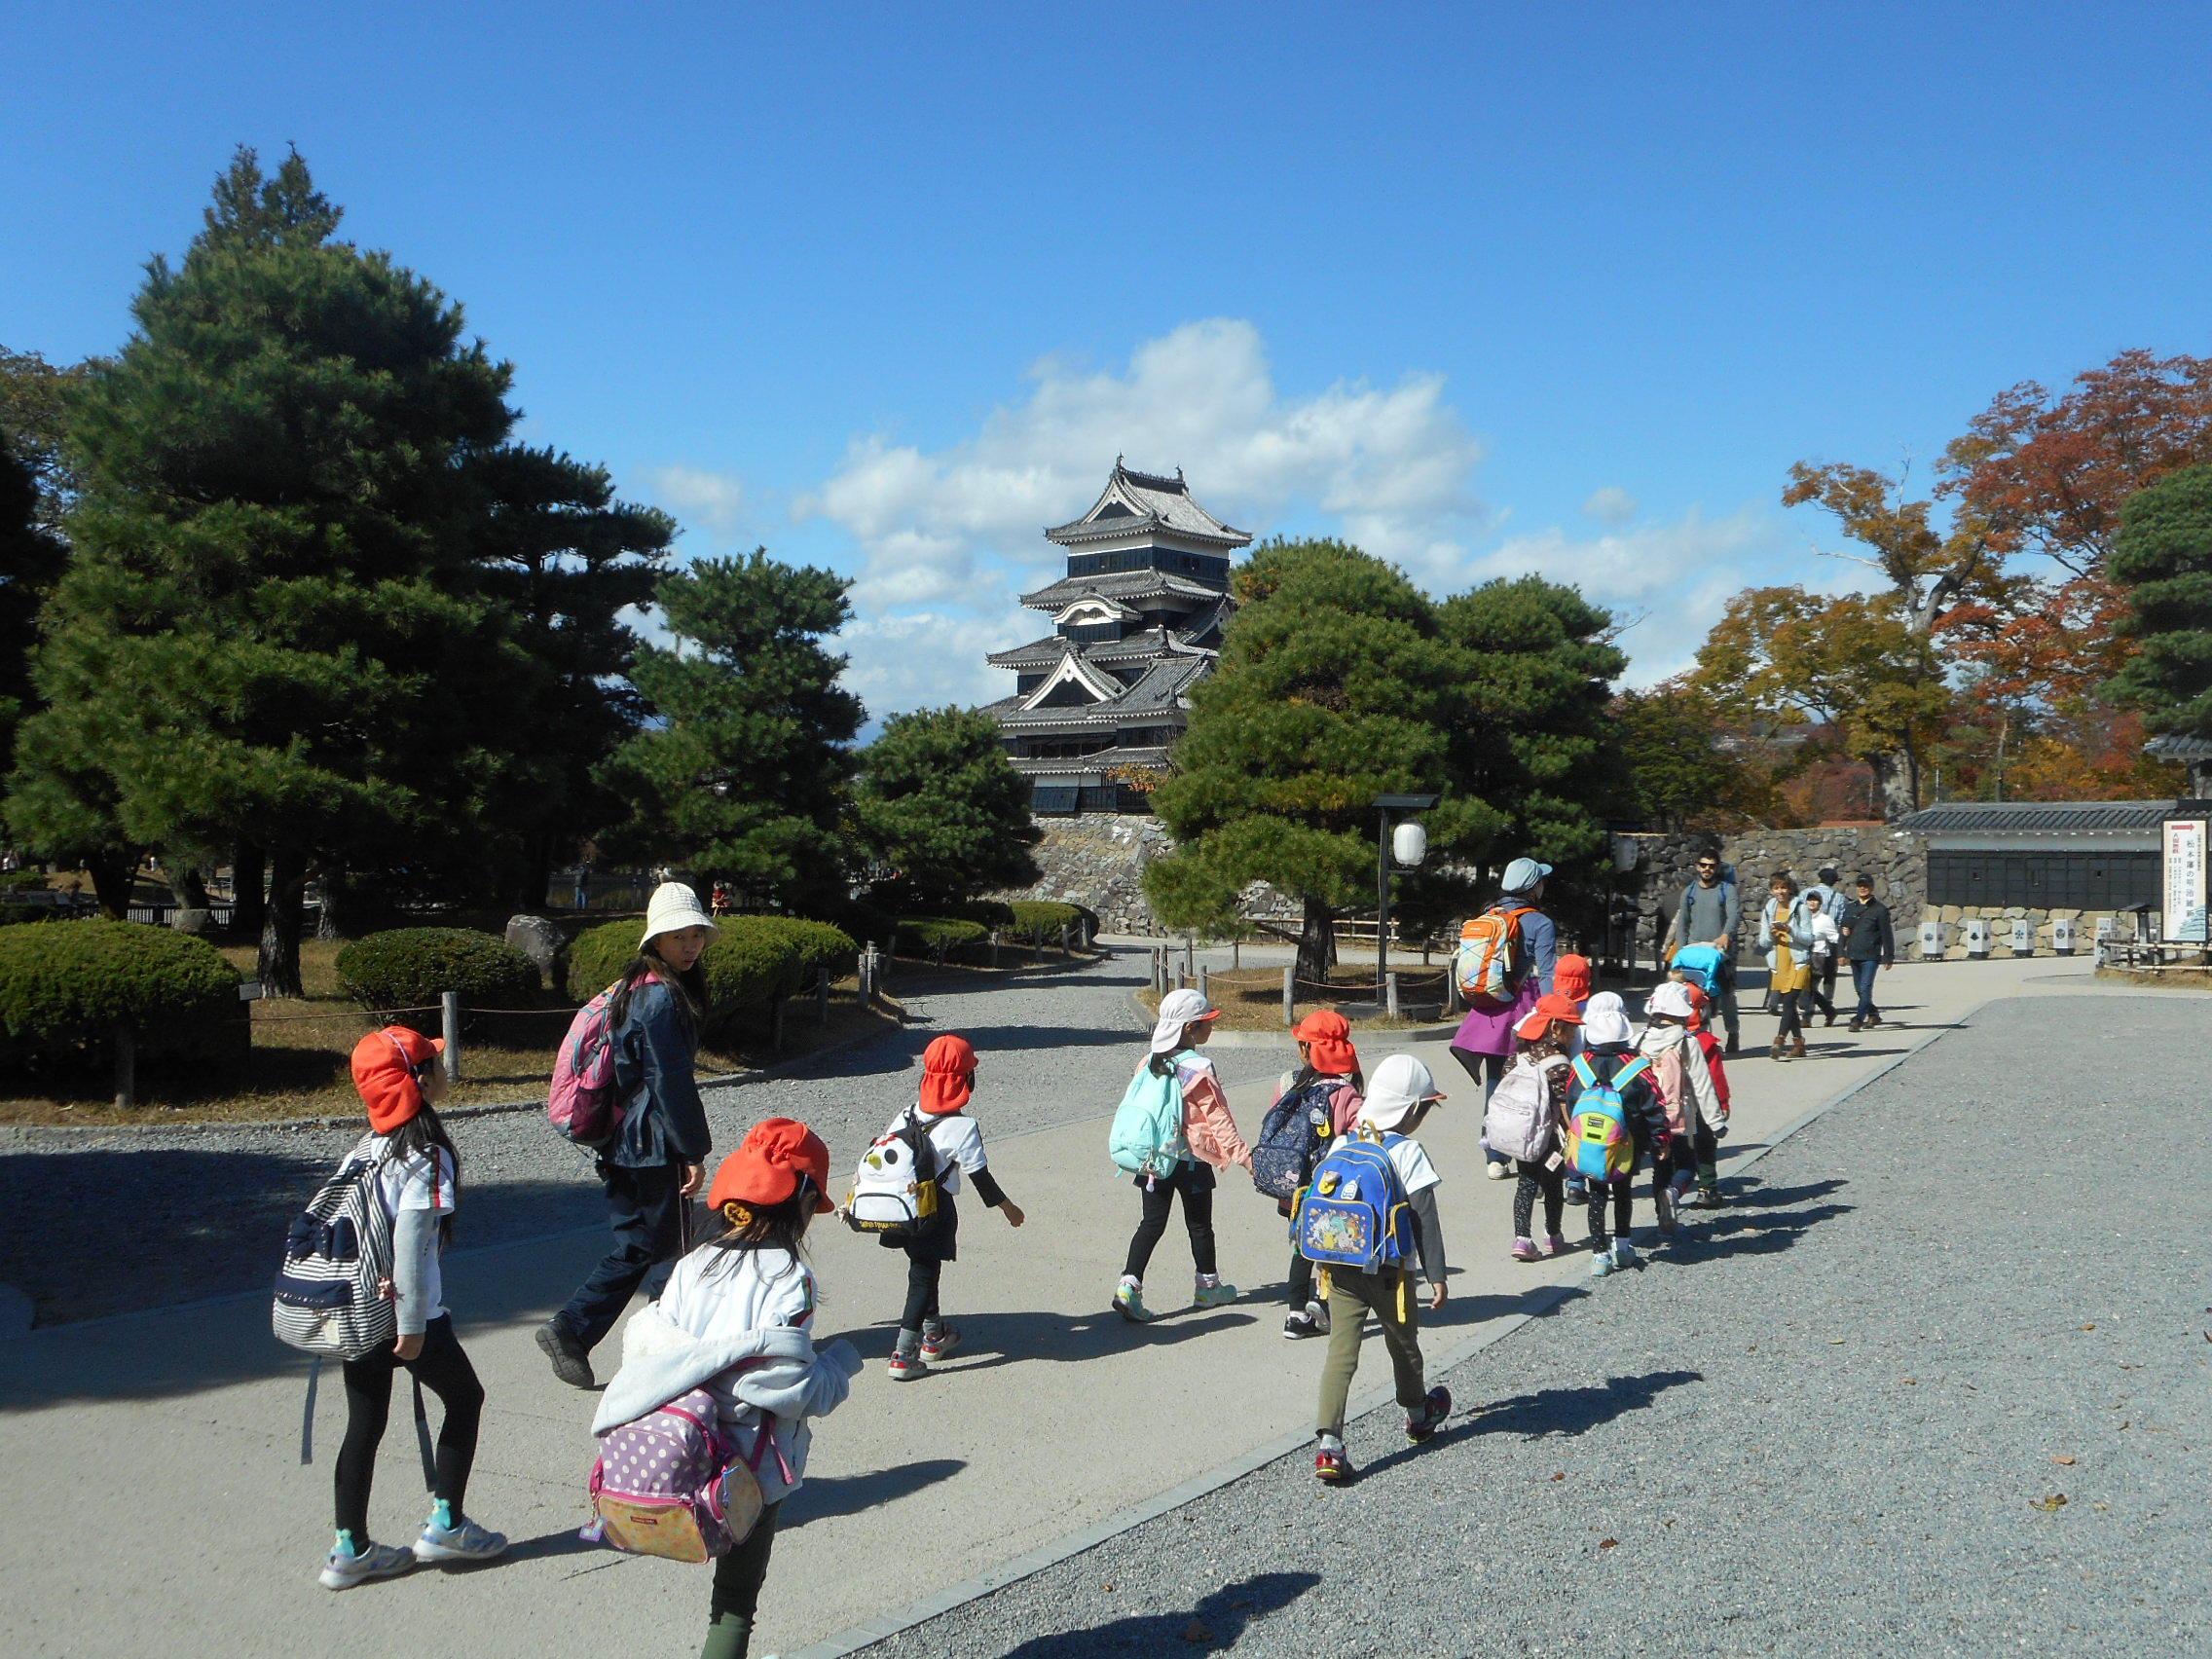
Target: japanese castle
[[1137, 622]]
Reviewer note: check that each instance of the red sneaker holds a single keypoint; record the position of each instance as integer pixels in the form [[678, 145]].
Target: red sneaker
[[1330, 1466]]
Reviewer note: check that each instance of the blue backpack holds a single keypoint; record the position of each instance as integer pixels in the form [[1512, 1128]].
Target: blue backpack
[[1354, 1212], [1147, 1135], [1291, 1137], [1700, 964], [1600, 1146]]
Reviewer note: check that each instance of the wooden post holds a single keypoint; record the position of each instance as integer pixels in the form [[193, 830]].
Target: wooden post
[[868, 974], [449, 1019], [1290, 995], [994, 947], [1064, 951], [1036, 947], [1203, 989], [822, 995], [1390, 995], [126, 1067]]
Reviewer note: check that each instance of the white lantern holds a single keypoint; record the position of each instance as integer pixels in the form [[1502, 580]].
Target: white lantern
[[2023, 938], [1409, 844]]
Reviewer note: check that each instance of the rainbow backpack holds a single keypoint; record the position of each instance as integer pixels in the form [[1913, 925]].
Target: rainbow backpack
[[1599, 1146]]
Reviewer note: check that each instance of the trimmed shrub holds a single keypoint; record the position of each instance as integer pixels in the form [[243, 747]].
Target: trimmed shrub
[[750, 962], [941, 936], [410, 968], [1044, 917], [65, 989]]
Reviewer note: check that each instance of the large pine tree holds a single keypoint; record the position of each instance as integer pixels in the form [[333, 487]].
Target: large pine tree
[[273, 632]]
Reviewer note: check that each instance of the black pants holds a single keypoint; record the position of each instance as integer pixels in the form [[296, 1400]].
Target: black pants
[[1195, 1181], [1820, 991], [1705, 1148], [736, 1594], [924, 1274], [1621, 1193], [1483, 1071], [443, 1369], [647, 1215], [1791, 1024], [1534, 1179]]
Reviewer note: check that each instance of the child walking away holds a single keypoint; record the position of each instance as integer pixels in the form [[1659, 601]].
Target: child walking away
[[1701, 1189], [733, 1330], [1691, 1105], [1371, 1208], [955, 1144], [1171, 1132], [1315, 1100], [1614, 1122], [1527, 1116], [397, 1071]]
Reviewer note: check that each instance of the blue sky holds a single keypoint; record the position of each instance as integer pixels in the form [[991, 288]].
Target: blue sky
[[1486, 288]]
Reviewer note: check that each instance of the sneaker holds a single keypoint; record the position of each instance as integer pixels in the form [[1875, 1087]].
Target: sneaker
[[1497, 1171], [1708, 1197], [465, 1543], [1600, 1263], [572, 1360], [1555, 1245], [1329, 1466], [1318, 1313], [1214, 1294], [1524, 1250], [1301, 1325], [1663, 1200], [343, 1569], [1577, 1193], [1625, 1256], [906, 1365], [1129, 1302], [935, 1348], [1420, 1424]]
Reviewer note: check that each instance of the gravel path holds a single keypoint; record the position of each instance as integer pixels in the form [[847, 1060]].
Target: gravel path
[[76, 1206], [1838, 1421]]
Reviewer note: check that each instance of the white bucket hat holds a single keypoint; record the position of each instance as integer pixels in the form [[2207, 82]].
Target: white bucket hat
[[1399, 1085], [1178, 1009], [1673, 997], [672, 907], [1605, 1019]]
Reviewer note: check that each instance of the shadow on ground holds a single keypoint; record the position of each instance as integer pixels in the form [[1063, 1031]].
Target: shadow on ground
[[824, 1496], [1215, 1623]]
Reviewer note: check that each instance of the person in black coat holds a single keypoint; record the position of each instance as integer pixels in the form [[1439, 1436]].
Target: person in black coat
[[1869, 944]]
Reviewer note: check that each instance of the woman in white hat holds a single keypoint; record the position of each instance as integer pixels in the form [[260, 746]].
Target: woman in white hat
[[657, 1159], [1209, 1141]]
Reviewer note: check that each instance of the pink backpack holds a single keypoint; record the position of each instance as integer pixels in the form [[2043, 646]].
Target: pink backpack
[[671, 1483], [581, 1103]]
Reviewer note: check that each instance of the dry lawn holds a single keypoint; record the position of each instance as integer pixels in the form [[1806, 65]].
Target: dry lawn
[[1250, 998]]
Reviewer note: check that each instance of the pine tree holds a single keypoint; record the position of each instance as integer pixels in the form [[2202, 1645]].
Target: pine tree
[[271, 633], [2162, 556], [746, 779], [30, 561], [940, 805]]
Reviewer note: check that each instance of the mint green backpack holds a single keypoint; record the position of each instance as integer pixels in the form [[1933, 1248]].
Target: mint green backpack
[[1147, 1136]]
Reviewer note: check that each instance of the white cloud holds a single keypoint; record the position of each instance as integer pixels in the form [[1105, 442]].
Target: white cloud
[[929, 659], [713, 501], [1611, 505], [960, 530]]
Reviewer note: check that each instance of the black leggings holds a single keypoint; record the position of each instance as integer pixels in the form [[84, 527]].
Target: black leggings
[[1793, 1025], [923, 1275], [1534, 1179], [1621, 1191], [1198, 1218], [443, 1369], [736, 1594]]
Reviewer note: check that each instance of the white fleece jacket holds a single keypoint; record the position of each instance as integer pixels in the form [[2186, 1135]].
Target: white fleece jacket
[[774, 1371]]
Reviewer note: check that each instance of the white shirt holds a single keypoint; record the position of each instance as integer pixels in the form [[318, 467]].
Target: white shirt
[[959, 1142], [407, 1185], [1413, 1169]]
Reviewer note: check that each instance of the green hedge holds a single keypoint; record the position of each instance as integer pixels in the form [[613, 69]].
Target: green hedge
[[411, 968], [1046, 917], [64, 988], [750, 962], [939, 935]]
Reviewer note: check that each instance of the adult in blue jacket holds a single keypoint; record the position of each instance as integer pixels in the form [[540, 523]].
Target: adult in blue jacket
[[657, 1160]]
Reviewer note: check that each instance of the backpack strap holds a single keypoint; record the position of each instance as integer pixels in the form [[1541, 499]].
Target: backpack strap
[[1631, 1073], [1583, 1074]]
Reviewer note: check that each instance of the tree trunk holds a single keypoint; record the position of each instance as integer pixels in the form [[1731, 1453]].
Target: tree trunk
[[249, 900], [537, 876], [333, 906], [114, 875], [279, 969], [191, 887], [1317, 943], [1898, 777]]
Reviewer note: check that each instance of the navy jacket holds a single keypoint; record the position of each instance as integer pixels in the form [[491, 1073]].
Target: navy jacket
[[664, 1121], [1867, 936]]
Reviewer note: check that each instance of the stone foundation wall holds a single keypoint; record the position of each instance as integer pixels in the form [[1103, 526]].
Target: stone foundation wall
[[1098, 861]]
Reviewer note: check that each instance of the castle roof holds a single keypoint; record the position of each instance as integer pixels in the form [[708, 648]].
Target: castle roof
[[1127, 586], [1139, 503]]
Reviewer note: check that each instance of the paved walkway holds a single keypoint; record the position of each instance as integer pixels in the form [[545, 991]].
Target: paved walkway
[[192, 1417]]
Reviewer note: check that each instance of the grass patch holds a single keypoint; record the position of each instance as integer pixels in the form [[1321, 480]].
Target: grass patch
[[1250, 998]]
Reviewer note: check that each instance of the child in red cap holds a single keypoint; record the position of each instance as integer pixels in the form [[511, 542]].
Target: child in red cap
[[1549, 1038], [398, 1074], [1328, 1088], [955, 1143], [737, 1319]]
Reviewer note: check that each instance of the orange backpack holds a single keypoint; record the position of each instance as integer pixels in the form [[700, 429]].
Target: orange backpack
[[1489, 959]]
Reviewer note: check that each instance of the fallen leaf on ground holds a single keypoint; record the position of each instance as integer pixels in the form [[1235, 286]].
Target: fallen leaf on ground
[[2050, 1506], [1608, 1543], [1835, 1342], [1561, 1476], [2089, 1327], [2066, 1461], [1910, 1382]]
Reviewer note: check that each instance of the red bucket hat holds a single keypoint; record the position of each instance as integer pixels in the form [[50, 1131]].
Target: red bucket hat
[[769, 1166], [1548, 1009], [1327, 1037], [1570, 976], [948, 1075], [385, 1065]]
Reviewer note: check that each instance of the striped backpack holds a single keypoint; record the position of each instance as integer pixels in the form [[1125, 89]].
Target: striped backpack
[[331, 1288], [1599, 1145]]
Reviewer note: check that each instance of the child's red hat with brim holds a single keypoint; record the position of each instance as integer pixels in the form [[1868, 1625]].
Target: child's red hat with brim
[[385, 1065], [771, 1165]]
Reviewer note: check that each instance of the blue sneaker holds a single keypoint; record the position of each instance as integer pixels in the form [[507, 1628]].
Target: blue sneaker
[[1600, 1263], [345, 1567], [439, 1545], [1214, 1294], [1625, 1256]]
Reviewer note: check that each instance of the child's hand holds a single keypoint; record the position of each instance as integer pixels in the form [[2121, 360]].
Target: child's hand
[[1013, 1213], [1436, 1298], [408, 1346]]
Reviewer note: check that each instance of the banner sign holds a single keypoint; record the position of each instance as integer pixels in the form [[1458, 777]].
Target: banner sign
[[2184, 880]]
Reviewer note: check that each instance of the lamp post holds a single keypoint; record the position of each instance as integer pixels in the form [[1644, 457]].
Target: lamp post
[[1418, 847]]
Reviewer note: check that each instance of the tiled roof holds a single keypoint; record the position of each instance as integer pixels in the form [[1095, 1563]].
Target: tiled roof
[[1160, 688], [1119, 585], [1142, 501], [2177, 747], [2036, 817]]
